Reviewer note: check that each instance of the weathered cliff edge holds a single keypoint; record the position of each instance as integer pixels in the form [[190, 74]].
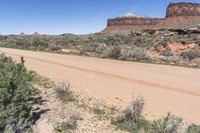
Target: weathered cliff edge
[[177, 14]]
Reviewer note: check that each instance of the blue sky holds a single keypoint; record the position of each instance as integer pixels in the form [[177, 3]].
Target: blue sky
[[71, 16]]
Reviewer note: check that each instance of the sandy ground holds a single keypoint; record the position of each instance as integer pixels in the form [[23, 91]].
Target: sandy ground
[[83, 109], [165, 88]]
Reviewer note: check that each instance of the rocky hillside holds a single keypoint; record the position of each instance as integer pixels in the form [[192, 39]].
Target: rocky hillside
[[178, 45]]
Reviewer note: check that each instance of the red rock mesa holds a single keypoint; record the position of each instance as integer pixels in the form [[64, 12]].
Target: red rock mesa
[[177, 14]]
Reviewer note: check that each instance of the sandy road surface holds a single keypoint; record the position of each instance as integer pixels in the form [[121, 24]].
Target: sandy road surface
[[165, 88]]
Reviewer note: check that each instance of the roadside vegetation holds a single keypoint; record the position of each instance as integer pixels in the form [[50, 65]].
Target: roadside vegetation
[[63, 92], [191, 54], [175, 46], [69, 125], [132, 120], [17, 97], [20, 103]]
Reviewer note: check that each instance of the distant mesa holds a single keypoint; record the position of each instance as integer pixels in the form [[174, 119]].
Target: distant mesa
[[36, 34], [183, 9], [22, 34], [176, 14]]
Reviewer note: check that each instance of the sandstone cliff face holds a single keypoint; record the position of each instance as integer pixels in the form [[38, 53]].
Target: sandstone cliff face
[[133, 21], [177, 14], [183, 9]]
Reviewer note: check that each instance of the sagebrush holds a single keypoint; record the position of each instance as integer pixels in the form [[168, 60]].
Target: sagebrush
[[17, 96]]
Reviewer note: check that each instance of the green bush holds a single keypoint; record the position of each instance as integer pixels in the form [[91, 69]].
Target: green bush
[[132, 119], [135, 54], [115, 52], [37, 42], [193, 129], [166, 53], [191, 54], [117, 39], [16, 96], [168, 124], [54, 48], [90, 47]]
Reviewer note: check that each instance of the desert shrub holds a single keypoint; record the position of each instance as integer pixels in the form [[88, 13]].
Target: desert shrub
[[193, 129], [166, 53], [131, 119], [100, 48], [63, 92], [54, 47], [191, 54], [90, 47], [16, 96], [136, 54], [20, 42], [42, 81], [69, 125], [118, 39], [3, 37], [37, 42], [168, 124], [144, 40], [114, 53], [98, 108], [139, 42], [94, 46]]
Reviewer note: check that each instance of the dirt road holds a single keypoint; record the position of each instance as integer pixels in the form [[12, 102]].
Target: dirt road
[[165, 88]]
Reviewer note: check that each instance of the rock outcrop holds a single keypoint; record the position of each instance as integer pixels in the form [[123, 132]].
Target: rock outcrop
[[183, 9], [133, 21], [177, 14]]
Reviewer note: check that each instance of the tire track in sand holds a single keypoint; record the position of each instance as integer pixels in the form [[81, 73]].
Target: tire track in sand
[[104, 74]]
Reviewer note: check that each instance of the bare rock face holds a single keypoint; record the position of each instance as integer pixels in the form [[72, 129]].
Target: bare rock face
[[183, 9], [177, 14], [132, 21]]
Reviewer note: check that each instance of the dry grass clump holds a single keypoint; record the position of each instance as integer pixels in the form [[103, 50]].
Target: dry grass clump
[[69, 125], [63, 92], [136, 54], [114, 52], [98, 108], [133, 121]]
